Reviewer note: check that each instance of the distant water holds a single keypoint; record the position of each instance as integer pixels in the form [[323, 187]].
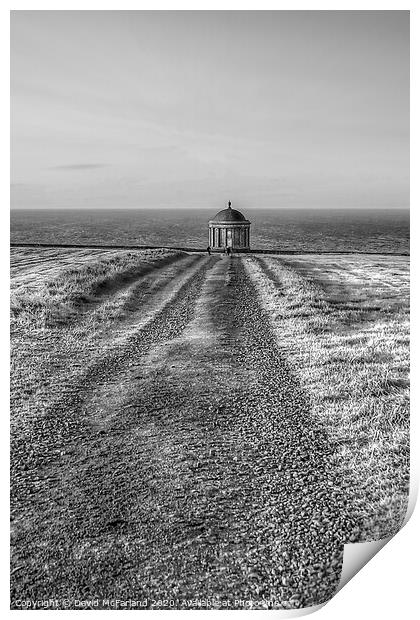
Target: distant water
[[282, 229]]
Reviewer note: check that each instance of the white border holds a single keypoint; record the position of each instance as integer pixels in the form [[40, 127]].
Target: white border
[[387, 586]]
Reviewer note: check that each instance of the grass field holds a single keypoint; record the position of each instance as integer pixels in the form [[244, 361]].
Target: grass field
[[190, 424], [63, 305], [343, 323], [49, 286]]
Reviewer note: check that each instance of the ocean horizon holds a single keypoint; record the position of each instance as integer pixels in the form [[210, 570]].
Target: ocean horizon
[[305, 229]]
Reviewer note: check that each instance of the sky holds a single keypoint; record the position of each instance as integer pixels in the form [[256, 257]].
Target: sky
[[190, 109]]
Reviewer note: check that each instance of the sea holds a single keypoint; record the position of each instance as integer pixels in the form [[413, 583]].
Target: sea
[[313, 230]]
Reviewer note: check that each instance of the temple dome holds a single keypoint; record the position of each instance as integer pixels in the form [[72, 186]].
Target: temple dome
[[229, 215]]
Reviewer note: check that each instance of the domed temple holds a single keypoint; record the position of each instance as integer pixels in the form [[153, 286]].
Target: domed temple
[[229, 229]]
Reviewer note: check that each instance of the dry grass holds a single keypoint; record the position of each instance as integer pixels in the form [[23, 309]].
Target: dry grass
[[51, 286], [68, 305], [343, 323]]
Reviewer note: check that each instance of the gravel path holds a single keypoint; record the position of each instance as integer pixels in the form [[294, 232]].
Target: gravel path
[[184, 469]]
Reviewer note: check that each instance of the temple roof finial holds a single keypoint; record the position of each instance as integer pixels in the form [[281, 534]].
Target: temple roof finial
[[229, 204]]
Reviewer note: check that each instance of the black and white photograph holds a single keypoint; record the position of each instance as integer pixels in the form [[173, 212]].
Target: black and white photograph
[[209, 304]]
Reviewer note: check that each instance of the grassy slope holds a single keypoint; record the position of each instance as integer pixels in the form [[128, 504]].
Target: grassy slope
[[50, 286], [343, 323], [65, 303]]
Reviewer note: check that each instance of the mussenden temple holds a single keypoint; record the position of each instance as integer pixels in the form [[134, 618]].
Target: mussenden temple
[[229, 229]]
